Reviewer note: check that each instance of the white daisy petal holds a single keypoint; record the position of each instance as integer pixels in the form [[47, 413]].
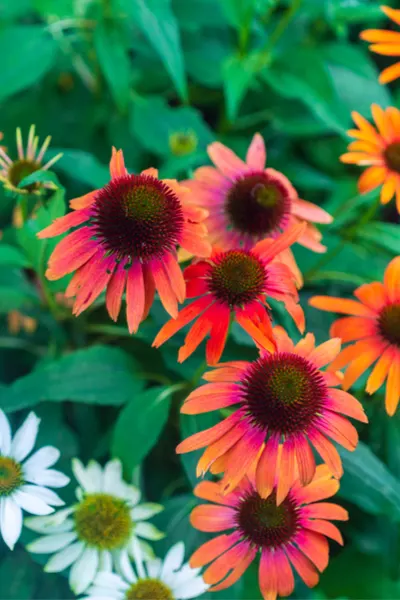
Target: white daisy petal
[[44, 494], [138, 558], [51, 543], [145, 511], [124, 566], [5, 434], [112, 476], [95, 475], [112, 581], [148, 531], [84, 570], [42, 459], [103, 593], [47, 477], [32, 504], [64, 558], [154, 568], [185, 574], [10, 521], [46, 524], [147, 550], [25, 437], [191, 589], [132, 493], [80, 474], [105, 561], [174, 559]]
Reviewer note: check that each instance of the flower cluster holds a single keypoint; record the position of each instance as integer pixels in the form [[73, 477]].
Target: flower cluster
[[274, 451]]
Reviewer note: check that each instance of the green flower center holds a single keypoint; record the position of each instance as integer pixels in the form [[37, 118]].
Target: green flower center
[[264, 523], [103, 521], [10, 475], [258, 204], [283, 393], [21, 169], [237, 277], [149, 589], [392, 157], [182, 143], [389, 324]]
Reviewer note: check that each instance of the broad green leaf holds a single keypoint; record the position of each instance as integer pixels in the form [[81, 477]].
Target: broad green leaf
[[39, 177], [368, 483], [189, 425], [158, 23], [96, 375], [16, 292], [355, 77], [81, 165], [114, 62], [238, 74], [28, 53], [291, 76], [383, 235], [17, 575], [11, 256], [139, 425]]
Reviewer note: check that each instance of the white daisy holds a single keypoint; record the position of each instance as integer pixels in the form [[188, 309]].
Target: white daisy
[[155, 580], [101, 530], [23, 483]]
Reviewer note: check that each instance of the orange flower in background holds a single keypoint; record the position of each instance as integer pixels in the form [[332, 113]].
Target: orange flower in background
[[125, 239], [378, 148], [386, 43], [29, 160], [374, 325], [247, 202], [281, 398], [236, 284], [289, 536]]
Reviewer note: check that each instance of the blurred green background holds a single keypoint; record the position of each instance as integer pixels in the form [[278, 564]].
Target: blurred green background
[[162, 79]]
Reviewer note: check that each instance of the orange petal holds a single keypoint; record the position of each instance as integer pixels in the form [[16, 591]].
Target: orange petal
[[371, 179], [266, 467], [185, 316], [197, 333], [268, 251], [175, 276], [219, 448], [241, 458], [218, 334], [380, 371], [380, 35], [325, 528], [117, 164], [238, 569], [326, 510], [344, 403], [382, 122], [226, 161], [304, 458], [360, 364], [371, 294], [135, 296], [212, 518], [212, 549], [310, 212], [284, 573], [389, 188], [303, 566], [392, 280], [392, 13], [390, 74], [267, 575], [115, 290], [350, 329], [393, 387], [208, 436], [315, 547], [211, 491], [327, 451], [325, 353], [341, 305], [286, 470], [222, 565], [164, 288]]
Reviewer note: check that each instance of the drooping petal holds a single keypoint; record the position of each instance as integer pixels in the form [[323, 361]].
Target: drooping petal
[[226, 160], [135, 296], [115, 290], [185, 316], [256, 156], [117, 164]]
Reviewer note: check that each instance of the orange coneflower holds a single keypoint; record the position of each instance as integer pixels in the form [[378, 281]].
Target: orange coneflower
[[292, 534], [29, 160], [126, 238], [281, 398], [247, 202], [236, 283], [379, 149], [387, 43], [375, 327]]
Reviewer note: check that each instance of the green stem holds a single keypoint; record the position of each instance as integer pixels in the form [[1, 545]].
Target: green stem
[[52, 304], [280, 29]]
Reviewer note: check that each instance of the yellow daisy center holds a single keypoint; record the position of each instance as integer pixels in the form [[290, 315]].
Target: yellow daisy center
[[103, 521], [10, 475], [149, 589]]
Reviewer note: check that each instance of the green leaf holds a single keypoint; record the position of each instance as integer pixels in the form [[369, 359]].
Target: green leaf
[[82, 166], [96, 375], [139, 426], [28, 52], [238, 73], [11, 256], [368, 483], [21, 584], [114, 62], [16, 292], [189, 425], [384, 235], [39, 177], [158, 23]]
